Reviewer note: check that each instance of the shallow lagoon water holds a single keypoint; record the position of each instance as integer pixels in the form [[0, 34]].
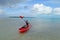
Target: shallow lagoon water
[[42, 29]]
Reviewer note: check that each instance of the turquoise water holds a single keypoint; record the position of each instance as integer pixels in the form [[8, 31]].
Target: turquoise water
[[42, 29]]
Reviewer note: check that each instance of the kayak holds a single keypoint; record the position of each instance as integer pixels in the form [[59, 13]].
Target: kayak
[[24, 29]]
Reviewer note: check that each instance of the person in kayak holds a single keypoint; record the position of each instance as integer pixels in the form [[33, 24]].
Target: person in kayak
[[26, 22]]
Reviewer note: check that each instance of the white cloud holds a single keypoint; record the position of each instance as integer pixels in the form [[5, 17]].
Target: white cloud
[[41, 9], [18, 6], [57, 11], [36, 9], [1, 11], [11, 2]]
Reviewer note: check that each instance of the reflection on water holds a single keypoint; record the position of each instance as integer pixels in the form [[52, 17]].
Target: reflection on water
[[42, 29]]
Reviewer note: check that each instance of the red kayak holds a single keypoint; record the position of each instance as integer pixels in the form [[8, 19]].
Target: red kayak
[[24, 29]]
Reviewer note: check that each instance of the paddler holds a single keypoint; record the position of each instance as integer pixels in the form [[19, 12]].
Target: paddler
[[25, 21]]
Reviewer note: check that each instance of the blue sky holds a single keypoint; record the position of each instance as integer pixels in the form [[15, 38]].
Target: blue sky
[[30, 8]]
